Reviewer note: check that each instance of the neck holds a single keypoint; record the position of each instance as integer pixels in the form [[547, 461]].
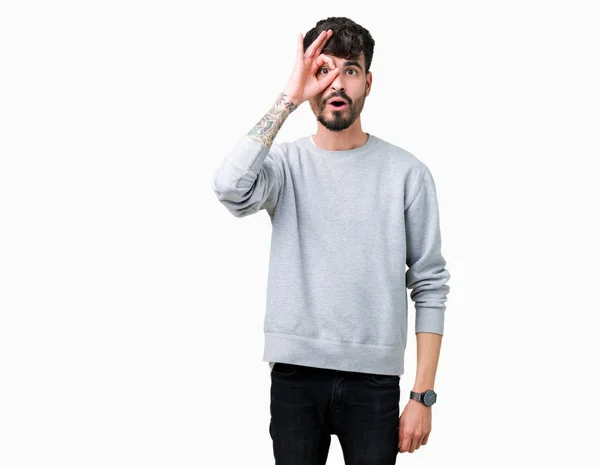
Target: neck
[[347, 139]]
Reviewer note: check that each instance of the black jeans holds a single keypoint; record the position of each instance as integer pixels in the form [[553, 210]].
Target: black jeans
[[310, 404]]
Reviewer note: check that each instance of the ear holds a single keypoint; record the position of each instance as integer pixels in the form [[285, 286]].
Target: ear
[[369, 82]]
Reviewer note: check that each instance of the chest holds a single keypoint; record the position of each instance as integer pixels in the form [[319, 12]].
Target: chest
[[338, 194]]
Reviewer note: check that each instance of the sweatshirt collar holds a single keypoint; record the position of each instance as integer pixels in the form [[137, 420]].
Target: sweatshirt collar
[[311, 146]]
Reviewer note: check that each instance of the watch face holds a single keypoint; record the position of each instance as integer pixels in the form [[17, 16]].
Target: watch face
[[429, 397]]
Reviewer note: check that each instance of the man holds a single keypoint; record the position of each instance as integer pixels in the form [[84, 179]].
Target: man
[[349, 212]]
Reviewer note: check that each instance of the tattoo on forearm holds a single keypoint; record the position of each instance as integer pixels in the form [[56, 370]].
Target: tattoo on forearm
[[268, 127]]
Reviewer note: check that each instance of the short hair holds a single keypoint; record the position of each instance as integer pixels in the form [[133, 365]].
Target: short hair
[[349, 39]]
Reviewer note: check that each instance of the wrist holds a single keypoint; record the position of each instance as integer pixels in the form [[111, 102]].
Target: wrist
[[427, 397], [291, 98], [415, 401], [422, 387]]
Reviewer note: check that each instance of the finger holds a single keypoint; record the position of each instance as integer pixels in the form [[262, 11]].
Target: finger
[[425, 438], [400, 432], [322, 60], [413, 443], [314, 45], [324, 40], [405, 443], [325, 83], [418, 442], [311, 51], [300, 49], [331, 75], [328, 60], [317, 64]]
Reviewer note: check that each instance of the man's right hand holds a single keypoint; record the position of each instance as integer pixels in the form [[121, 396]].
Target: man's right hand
[[304, 83]]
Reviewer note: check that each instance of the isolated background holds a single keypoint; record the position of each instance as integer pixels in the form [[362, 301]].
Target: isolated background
[[132, 302]]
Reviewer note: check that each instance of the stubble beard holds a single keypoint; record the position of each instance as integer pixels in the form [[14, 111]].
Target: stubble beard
[[338, 120]]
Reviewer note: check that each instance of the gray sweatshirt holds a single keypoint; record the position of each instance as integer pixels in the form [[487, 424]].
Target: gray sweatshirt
[[351, 231]]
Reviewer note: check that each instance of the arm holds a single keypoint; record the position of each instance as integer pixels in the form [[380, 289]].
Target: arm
[[427, 277], [428, 354], [268, 127], [415, 421], [250, 178]]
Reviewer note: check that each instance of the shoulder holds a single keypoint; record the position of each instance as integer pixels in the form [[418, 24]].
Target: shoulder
[[289, 153], [404, 164], [284, 149], [399, 154], [413, 171]]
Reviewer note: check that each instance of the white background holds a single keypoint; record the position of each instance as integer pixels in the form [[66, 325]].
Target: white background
[[132, 302]]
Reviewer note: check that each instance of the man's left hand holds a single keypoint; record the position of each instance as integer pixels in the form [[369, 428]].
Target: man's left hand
[[415, 426]]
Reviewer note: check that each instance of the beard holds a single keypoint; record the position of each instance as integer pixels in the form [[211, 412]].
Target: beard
[[338, 120]]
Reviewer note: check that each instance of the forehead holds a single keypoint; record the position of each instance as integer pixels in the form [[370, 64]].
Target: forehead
[[342, 61]]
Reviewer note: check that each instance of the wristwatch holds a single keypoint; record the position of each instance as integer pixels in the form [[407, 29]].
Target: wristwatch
[[428, 397]]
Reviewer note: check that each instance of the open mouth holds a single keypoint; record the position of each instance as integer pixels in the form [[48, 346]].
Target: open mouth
[[338, 104]]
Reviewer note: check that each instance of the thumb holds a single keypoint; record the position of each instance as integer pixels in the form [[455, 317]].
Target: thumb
[[400, 431], [330, 78]]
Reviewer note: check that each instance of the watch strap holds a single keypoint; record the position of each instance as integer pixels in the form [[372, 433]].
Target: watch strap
[[427, 398], [418, 396]]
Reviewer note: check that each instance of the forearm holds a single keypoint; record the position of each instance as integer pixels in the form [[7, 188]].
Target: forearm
[[268, 127], [250, 178], [428, 354]]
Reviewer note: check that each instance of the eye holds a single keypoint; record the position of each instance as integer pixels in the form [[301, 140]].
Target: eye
[[350, 69]]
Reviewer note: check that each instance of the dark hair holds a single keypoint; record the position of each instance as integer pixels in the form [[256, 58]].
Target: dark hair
[[349, 39]]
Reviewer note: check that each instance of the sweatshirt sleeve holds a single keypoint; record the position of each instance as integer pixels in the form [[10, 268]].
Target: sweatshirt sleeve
[[427, 274], [250, 177]]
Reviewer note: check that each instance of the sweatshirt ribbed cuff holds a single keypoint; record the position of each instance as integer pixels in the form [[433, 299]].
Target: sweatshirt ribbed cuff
[[429, 320]]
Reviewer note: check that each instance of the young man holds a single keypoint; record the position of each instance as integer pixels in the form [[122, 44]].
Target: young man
[[349, 212]]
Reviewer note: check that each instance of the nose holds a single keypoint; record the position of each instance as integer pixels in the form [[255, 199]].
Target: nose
[[337, 85]]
